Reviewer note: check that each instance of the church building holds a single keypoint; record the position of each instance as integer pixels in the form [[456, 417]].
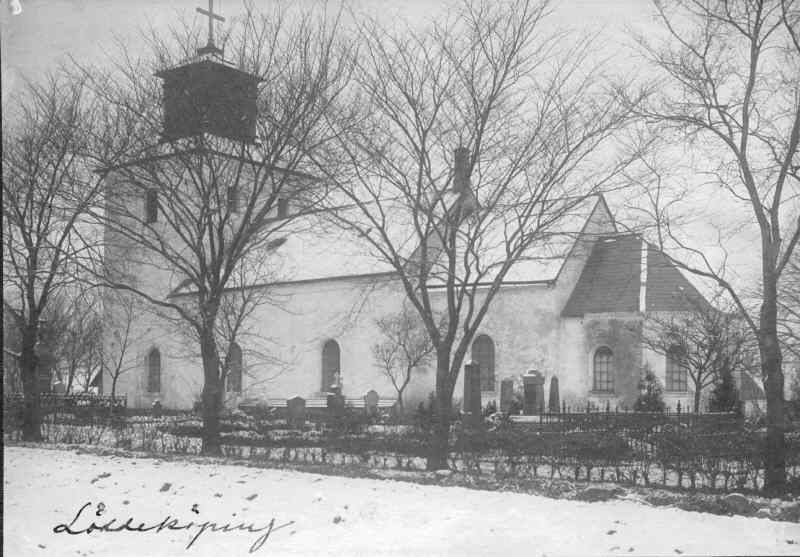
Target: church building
[[574, 314], [576, 318]]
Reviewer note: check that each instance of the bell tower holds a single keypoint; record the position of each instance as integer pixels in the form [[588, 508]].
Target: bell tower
[[209, 95]]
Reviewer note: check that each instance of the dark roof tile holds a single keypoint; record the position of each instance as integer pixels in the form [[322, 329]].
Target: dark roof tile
[[611, 279]]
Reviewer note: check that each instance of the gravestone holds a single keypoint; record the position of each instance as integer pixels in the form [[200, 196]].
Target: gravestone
[[296, 412], [554, 404], [534, 392], [371, 403], [506, 394], [472, 394], [335, 402]]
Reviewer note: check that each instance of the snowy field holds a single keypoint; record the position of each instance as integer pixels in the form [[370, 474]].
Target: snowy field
[[324, 515]]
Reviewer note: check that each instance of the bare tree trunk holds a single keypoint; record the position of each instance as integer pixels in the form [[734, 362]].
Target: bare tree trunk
[[70, 377], [212, 393], [697, 393], [440, 436], [775, 458], [29, 369]]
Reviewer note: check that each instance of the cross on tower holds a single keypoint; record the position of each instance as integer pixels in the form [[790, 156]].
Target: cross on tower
[[210, 47]]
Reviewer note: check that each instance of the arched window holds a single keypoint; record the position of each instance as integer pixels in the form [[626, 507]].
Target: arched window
[[151, 206], [330, 365], [676, 373], [483, 353], [154, 371], [603, 370], [234, 382]]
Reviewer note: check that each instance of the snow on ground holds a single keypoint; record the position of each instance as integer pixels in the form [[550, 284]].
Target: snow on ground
[[334, 516]]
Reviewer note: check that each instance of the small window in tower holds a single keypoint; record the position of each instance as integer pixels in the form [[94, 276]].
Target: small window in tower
[[151, 206], [283, 207], [233, 199]]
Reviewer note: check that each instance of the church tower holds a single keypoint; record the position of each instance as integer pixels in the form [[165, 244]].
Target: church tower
[[209, 95]]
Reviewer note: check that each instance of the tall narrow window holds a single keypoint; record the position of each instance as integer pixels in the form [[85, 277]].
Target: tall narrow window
[[154, 371], [330, 365], [283, 207], [604, 370], [233, 199], [676, 372], [483, 353], [151, 206], [234, 382]]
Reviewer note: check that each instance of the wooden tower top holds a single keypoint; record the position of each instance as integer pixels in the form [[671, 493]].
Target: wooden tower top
[[209, 95]]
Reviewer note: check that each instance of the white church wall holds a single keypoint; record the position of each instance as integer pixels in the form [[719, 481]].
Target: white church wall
[[581, 338], [293, 330], [524, 323]]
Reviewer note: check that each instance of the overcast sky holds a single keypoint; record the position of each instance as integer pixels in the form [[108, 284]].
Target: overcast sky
[[47, 31]]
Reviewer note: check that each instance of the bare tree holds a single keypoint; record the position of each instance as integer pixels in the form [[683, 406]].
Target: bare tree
[[119, 320], [476, 138], [704, 342], [72, 331], [405, 347], [47, 195], [729, 88], [214, 206]]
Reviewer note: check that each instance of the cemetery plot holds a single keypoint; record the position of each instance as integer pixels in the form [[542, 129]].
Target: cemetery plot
[[697, 452]]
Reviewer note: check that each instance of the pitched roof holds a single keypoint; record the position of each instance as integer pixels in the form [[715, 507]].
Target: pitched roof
[[611, 280], [667, 288], [749, 389], [543, 260], [313, 247]]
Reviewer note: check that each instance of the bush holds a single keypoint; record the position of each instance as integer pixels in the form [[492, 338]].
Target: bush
[[651, 398], [725, 396], [351, 420], [426, 414]]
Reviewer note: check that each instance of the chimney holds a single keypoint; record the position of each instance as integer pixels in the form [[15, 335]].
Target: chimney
[[461, 170]]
